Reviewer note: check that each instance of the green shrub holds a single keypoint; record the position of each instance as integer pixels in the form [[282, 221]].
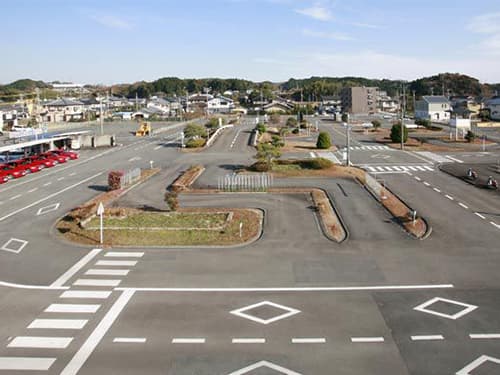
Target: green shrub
[[345, 117], [260, 166], [291, 122], [470, 136], [423, 122], [171, 200], [376, 124], [318, 163], [396, 133], [194, 130], [324, 142], [261, 128], [296, 131], [195, 142]]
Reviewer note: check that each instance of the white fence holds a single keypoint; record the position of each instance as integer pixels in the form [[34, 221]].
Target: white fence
[[245, 182], [130, 177]]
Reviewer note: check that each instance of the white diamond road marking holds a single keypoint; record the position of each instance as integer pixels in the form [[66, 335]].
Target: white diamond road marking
[[424, 307], [241, 312], [48, 209], [264, 364], [26, 363], [40, 342], [58, 324], [475, 364], [11, 247]]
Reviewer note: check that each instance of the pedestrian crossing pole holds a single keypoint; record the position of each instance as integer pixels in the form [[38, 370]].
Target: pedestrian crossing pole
[[348, 140]]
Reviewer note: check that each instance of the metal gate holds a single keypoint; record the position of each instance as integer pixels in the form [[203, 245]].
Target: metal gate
[[245, 182]]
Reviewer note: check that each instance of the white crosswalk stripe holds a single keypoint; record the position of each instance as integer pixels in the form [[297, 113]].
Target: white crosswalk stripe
[[368, 148], [379, 169]]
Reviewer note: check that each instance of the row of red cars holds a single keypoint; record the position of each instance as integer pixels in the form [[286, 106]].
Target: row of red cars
[[34, 163]]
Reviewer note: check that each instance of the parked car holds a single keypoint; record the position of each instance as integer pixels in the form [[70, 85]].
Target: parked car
[[69, 154], [58, 158], [46, 162], [13, 171], [30, 166], [3, 177]]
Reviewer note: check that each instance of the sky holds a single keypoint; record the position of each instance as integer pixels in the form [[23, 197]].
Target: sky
[[123, 41]]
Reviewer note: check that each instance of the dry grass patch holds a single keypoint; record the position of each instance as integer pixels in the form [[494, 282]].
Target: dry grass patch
[[185, 180]]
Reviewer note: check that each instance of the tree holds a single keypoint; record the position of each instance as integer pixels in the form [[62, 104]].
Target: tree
[[276, 141], [324, 142], [171, 200], [345, 117], [261, 128], [194, 130], [376, 124], [396, 133], [266, 152], [213, 123], [291, 122], [470, 136]]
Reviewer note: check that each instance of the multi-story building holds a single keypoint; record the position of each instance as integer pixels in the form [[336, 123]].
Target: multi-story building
[[359, 100]]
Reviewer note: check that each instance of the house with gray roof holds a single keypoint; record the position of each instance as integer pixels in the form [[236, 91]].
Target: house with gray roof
[[493, 105], [434, 108], [62, 110]]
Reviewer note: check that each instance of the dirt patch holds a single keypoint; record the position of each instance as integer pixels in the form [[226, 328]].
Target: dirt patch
[[302, 146], [336, 171], [185, 180], [330, 222]]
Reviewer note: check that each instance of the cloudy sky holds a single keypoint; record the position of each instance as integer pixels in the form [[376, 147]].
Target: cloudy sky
[[124, 41]]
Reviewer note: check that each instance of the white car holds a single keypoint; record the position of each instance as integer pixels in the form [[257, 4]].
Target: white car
[[387, 117], [367, 125]]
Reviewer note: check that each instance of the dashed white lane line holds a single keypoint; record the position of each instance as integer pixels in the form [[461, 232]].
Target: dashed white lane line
[[319, 340], [426, 183], [40, 342], [449, 197], [367, 339], [463, 206], [26, 363], [118, 254], [76, 267], [97, 282], [234, 139], [427, 337], [47, 184], [76, 363], [15, 197], [495, 224], [188, 341], [32, 190], [157, 147], [479, 215], [418, 178], [437, 190], [130, 340], [72, 308], [248, 341], [60, 179], [90, 294], [454, 159], [58, 324], [106, 272], [72, 174], [126, 263], [484, 336]]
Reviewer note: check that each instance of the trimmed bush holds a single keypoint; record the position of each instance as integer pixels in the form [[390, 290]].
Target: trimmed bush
[[470, 136], [291, 122], [376, 124], [396, 133], [423, 122], [318, 163], [260, 166], [195, 142], [296, 131], [261, 128], [324, 142]]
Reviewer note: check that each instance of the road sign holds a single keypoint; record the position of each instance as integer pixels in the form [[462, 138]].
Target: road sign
[[100, 212]]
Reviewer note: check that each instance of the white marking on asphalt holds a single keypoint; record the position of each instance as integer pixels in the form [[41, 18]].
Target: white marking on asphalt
[[123, 254], [413, 169], [32, 190], [26, 363], [75, 268], [234, 139], [127, 263], [47, 209], [264, 364], [106, 272], [427, 338], [71, 308], [420, 168], [72, 174], [40, 342], [428, 168], [426, 183], [454, 159], [60, 179], [299, 289], [478, 214], [418, 178], [10, 242], [425, 307], [449, 197], [157, 147], [463, 206], [58, 323], [88, 347], [475, 364], [130, 340], [47, 184], [484, 335], [495, 224], [97, 282], [15, 197], [91, 294], [367, 339], [288, 312], [248, 341], [312, 154], [321, 340], [437, 190], [380, 169], [188, 341], [49, 197], [33, 287], [135, 158]]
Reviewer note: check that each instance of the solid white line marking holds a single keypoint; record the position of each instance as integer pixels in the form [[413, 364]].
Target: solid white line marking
[[123, 254], [58, 323], [49, 197], [367, 339], [40, 342], [88, 347], [426, 183], [449, 197], [131, 340], [15, 197], [157, 147], [75, 268], [495, 224], [33, 287], [427, 338], [308, 340], [70, 308], [454, 159], [478, 214], [188, 341], [463, 205], [127, 263], [437, 190], [299, 289], [85, 294], [97, 282], [248, 341], [32, 190], [26, 363], [106, 272], [484, 335]]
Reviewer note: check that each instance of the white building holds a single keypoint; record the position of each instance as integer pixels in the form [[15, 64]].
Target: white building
[[61, 110], [434, 108], [220, 104], [494, 106]]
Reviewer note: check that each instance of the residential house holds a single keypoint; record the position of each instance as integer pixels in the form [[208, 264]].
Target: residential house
[[465, 106], [434, 108], [385, 103], [493, 105], [8, 117], [62, 110], [359, 100], [220, 104], [278, 106]]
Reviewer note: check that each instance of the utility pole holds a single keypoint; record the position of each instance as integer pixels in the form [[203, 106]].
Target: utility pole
[[136, 102], [414, 105], [100, 116], [403, 105], [348, 142]]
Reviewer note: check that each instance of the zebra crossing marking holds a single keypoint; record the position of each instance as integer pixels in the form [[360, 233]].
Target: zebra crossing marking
[[378, 169]]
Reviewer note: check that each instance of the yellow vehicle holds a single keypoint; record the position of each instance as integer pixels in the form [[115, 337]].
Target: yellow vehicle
[[144, 129]]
